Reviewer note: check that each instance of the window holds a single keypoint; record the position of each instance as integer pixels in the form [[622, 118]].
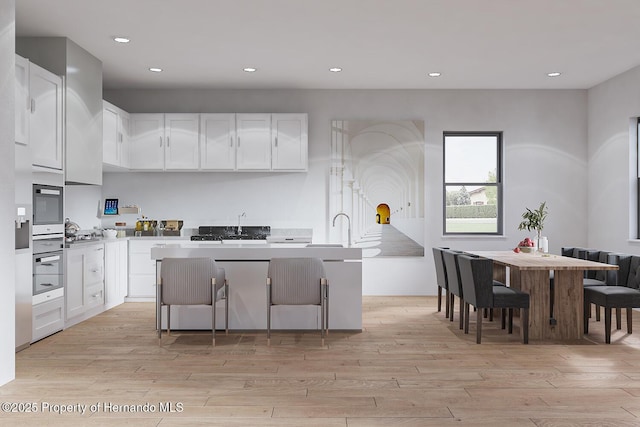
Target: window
[[472, 183]]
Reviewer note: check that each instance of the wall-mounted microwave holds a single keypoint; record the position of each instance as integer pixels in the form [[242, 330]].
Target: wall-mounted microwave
[[48, 207]]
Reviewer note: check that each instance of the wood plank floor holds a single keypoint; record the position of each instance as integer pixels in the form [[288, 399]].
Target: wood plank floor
[[408, 367]]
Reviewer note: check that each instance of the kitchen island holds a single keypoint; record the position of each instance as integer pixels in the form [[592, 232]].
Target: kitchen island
[[246, 266]]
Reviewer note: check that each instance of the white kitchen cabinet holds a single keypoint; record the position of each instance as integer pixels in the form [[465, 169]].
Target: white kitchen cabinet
[[84, 278], [23, 101], [115, 136], [45, 121], [289, 142], [181, 132], [164, 141], [115, 272], [147, 142], [48, 318], [142, 270], [254, 141], [218, 142]]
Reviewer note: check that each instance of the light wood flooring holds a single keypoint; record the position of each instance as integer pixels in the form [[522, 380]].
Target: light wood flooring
[[408, 367]]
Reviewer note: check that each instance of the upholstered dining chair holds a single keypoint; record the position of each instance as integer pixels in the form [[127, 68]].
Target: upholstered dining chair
[[441, 280], [476, 276], [191, 281], [298, 281], [624, 293]]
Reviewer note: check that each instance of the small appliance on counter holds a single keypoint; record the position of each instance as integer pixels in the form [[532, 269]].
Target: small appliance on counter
[[171, 227]]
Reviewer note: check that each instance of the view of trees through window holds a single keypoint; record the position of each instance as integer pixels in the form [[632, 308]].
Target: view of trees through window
[[472, 188]]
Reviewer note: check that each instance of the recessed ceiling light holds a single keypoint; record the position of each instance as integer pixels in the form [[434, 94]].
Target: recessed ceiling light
[[436, 74], [155, 70], [335, 69], [121, 40], [554, 74], [249, 70]]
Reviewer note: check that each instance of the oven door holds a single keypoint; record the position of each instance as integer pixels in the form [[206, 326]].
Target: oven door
[[47, 208], [47, 272]]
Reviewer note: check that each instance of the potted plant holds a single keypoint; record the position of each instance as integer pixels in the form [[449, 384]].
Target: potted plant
[[534, 220]]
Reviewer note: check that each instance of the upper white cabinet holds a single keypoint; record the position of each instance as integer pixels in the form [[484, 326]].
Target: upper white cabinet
[[147, 141], [182, 136], [115, 136], [45, 122], [164, 141], [23, 107], [208, 142], [218, 142], [289, 142], [254, 141]]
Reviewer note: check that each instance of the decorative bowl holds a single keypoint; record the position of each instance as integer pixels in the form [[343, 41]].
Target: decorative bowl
[[528, 249], [110, 233]]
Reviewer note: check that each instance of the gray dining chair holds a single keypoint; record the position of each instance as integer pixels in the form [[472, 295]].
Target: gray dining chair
[[191, 281], [476, 277], [298, 281]]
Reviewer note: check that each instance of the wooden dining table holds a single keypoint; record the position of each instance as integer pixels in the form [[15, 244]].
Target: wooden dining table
[[529, 272]]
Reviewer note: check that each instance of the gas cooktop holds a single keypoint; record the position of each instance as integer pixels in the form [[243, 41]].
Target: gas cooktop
[[249, 232]]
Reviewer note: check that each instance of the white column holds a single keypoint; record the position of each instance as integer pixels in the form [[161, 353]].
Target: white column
[[7, 191]]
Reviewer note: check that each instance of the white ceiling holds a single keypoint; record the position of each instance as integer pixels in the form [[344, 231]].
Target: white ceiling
[[380, 44]]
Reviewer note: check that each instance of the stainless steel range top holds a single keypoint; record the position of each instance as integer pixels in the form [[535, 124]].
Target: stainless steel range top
[[249, 232]]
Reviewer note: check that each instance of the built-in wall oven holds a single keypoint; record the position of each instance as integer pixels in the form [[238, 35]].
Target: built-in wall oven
[[48, 265], [48, 216]]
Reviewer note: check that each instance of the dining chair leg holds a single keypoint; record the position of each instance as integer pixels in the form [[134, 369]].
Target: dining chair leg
[[524, 319], [451, 305], [597, 313], [478, 326], [629, 320], [439, 299], [586, 315], [511, 320], [461, 313], [503, 317], [607, 325], [466, 318], [447, 303], [618, 318], [491, 315]]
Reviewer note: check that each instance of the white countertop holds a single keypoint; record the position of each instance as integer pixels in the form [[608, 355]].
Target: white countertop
[[253, 251]]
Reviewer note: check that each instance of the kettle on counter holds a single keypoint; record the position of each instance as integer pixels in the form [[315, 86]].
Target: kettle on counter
[[70, 228]]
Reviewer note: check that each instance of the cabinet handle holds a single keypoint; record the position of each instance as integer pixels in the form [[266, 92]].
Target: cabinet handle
[[230, 141], [120, 136], [167, 141], [276, 141], [99, 249], [160, 141], [33, 105], [238, 141], [95, 295]]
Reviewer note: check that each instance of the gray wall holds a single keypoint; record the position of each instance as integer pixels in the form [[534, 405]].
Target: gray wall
[[614, 107], [545, 158], [7, 191]]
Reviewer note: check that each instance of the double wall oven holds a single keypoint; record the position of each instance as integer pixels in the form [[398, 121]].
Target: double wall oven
[[48, 242]]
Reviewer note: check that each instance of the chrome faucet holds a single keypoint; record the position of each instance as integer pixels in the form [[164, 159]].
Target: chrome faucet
[[243, 214], [348, 226]]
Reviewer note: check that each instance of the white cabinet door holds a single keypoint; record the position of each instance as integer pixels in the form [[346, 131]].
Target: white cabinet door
[[217, 141], [115, 273], [182, 141], [115, 136], [45, 123], [290, 142], [147, 141], [74, 290], [123, 135], [254, 141], [111, 151], [84, 277], [22, 101]]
